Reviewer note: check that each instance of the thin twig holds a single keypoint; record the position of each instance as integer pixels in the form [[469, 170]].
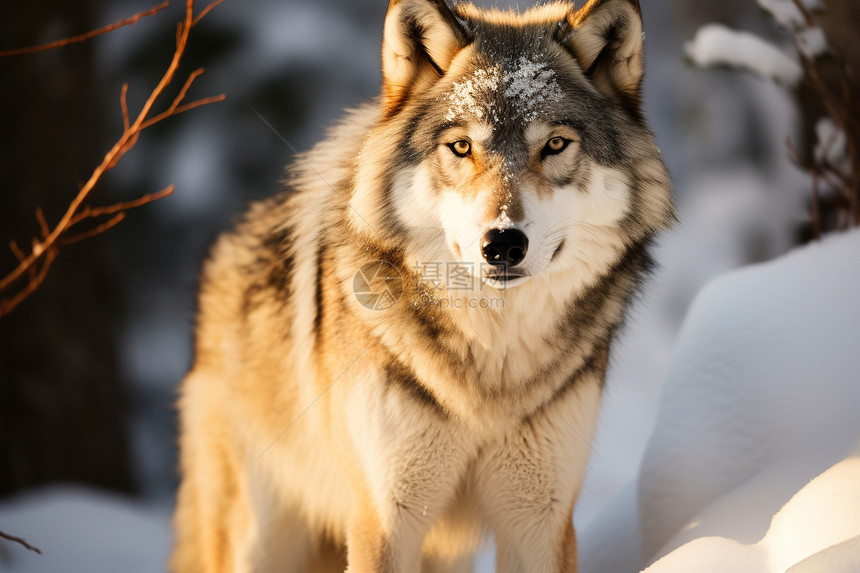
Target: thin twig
[[197, 103], [124, 106], [43, 224], [205, 11], [20, 541], [94, 231], [88, 212], [16, 250], [83, 37]]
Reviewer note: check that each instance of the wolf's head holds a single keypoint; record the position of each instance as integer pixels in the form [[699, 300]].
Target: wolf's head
[[512, 143]]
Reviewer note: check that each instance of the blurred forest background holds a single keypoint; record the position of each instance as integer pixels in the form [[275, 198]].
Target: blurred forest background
[[89, 365]]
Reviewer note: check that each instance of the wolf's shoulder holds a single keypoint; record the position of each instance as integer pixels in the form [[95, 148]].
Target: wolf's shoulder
[[252, 250]]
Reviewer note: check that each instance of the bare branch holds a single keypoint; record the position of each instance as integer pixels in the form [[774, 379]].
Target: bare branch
[[36, 264], [20, 541]]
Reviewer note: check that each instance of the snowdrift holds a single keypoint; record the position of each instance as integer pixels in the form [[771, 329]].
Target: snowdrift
[[754, 463]]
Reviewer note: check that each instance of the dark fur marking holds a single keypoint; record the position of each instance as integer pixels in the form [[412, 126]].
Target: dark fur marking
[[557, 251], [400, 376], [251, 299], [270, 272], [578, 176], [578, 325], [416, 35], [318, 291], [280, 273], [406, 154], [597, 363]]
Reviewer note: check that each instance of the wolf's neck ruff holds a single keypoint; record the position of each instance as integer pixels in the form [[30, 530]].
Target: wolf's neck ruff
[[492, 366]]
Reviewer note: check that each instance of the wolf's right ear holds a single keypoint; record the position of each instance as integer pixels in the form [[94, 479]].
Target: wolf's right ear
[[606, 38], [420, 39]]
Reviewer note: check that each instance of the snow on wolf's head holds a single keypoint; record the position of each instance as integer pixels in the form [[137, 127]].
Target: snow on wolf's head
[[513, 143]]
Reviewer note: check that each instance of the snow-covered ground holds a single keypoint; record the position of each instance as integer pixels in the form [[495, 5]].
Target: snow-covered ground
[[83, 531]]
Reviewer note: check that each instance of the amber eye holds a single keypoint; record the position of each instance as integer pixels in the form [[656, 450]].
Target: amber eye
[[461, 148], [555, 146]]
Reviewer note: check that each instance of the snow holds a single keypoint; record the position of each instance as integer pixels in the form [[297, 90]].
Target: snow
[[812, 42], [81, 530], [717, 45], [839, 558], [610, 543], [761, 398], [810, 39], [465, 96], [527, 86], [823, 514], [830, 144], [784, 12]]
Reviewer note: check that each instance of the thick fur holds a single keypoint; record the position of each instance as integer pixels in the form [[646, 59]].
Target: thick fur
[[319, 434]]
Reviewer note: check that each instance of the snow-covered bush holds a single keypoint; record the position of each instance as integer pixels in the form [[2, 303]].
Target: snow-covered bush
[[827, 89]]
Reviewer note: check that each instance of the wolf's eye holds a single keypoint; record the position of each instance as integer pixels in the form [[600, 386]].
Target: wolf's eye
[[461, 148], [554, 146]]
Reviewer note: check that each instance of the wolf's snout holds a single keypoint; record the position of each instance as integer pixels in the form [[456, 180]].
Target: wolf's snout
[[504, 247]]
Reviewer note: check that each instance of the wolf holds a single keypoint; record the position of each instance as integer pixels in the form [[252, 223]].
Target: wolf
[[351, 406]]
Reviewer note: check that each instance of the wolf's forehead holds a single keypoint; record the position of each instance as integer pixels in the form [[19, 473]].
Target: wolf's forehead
[[501, 90]]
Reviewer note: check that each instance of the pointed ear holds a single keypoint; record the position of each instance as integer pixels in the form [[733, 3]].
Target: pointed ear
[[420, 39], [606, 37]]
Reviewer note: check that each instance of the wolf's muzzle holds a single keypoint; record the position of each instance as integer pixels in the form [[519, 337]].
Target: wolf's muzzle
[[504, 247]]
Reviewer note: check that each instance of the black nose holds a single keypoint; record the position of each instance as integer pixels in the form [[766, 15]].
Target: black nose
[[504, 247]]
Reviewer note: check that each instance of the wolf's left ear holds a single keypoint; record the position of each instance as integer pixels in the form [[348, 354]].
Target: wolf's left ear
[[606, 37], [420, 39]]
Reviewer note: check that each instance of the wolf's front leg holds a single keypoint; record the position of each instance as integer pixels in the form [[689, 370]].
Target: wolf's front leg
[[529, 481], [408, 460]]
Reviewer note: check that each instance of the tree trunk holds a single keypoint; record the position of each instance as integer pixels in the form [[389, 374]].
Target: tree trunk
[[63, 411]]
